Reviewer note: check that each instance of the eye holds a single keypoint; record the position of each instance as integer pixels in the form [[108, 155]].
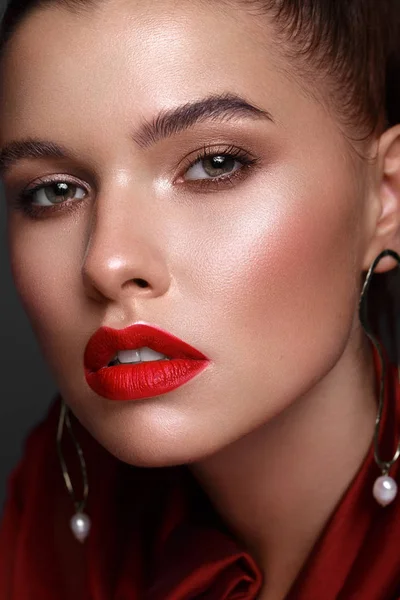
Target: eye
[[55, 193], [213, 166]]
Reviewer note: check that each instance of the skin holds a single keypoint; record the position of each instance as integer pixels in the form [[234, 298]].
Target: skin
[[261, 274]]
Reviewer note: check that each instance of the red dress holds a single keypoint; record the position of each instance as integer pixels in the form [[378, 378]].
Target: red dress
[[155, 535]]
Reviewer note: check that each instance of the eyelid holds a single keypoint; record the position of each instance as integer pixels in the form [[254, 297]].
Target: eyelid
[[23, 200], [211, 150], [48, 180]]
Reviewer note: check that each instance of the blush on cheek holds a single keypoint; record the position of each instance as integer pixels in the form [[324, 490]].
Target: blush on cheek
[[287, 288], [310, 278]]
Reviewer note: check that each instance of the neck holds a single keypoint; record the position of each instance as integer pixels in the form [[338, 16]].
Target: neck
[[277, 487]]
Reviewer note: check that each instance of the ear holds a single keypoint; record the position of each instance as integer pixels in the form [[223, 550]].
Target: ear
[[386, 214]]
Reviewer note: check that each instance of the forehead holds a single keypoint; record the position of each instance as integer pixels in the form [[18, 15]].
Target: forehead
[[115, 29], [121, 60], [150, 45]]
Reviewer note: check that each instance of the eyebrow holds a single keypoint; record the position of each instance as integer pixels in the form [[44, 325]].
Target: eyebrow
[[166, 124], [30, 148], [216, 107]]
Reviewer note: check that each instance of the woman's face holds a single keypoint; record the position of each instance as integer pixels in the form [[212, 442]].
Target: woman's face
[[239, 230]]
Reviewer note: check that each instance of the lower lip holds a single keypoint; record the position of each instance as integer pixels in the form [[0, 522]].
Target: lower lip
[[143, 380]]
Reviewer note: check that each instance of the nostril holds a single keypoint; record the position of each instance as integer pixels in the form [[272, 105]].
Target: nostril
[[141, 283]]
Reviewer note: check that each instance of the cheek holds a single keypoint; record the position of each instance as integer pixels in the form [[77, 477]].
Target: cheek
[[284, 282], [45, 262]]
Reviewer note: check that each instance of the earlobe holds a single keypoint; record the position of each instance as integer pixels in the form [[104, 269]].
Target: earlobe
[[386, 233]]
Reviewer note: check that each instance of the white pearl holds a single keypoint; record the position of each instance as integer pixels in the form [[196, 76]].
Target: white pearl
[[385, 490], [80, 525]]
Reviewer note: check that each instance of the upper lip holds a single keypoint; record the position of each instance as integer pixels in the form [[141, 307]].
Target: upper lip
[[106, 342]]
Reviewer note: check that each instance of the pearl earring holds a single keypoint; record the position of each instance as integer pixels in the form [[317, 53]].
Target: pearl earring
[[385, 487], [80, 522]]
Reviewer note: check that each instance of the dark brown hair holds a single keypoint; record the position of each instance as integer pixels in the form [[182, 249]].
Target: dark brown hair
[[351, 45]]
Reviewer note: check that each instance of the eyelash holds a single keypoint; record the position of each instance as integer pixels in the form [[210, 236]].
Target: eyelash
[[214, 184], [24, 203], [24, 199]]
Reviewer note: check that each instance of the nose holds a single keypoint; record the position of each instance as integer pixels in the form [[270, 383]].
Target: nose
[[124, 257]]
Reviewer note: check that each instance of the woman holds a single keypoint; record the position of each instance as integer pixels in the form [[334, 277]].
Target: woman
[[196, 192]]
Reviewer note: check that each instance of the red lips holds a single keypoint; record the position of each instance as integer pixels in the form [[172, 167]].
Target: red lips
[[139, 380]]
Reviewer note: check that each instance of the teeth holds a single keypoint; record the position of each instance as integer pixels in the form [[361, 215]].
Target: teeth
[[135, 356], [147, 354], [128, 356]]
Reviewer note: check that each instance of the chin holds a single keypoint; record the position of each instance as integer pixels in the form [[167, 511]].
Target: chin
[[159, 452], [144, 438]]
